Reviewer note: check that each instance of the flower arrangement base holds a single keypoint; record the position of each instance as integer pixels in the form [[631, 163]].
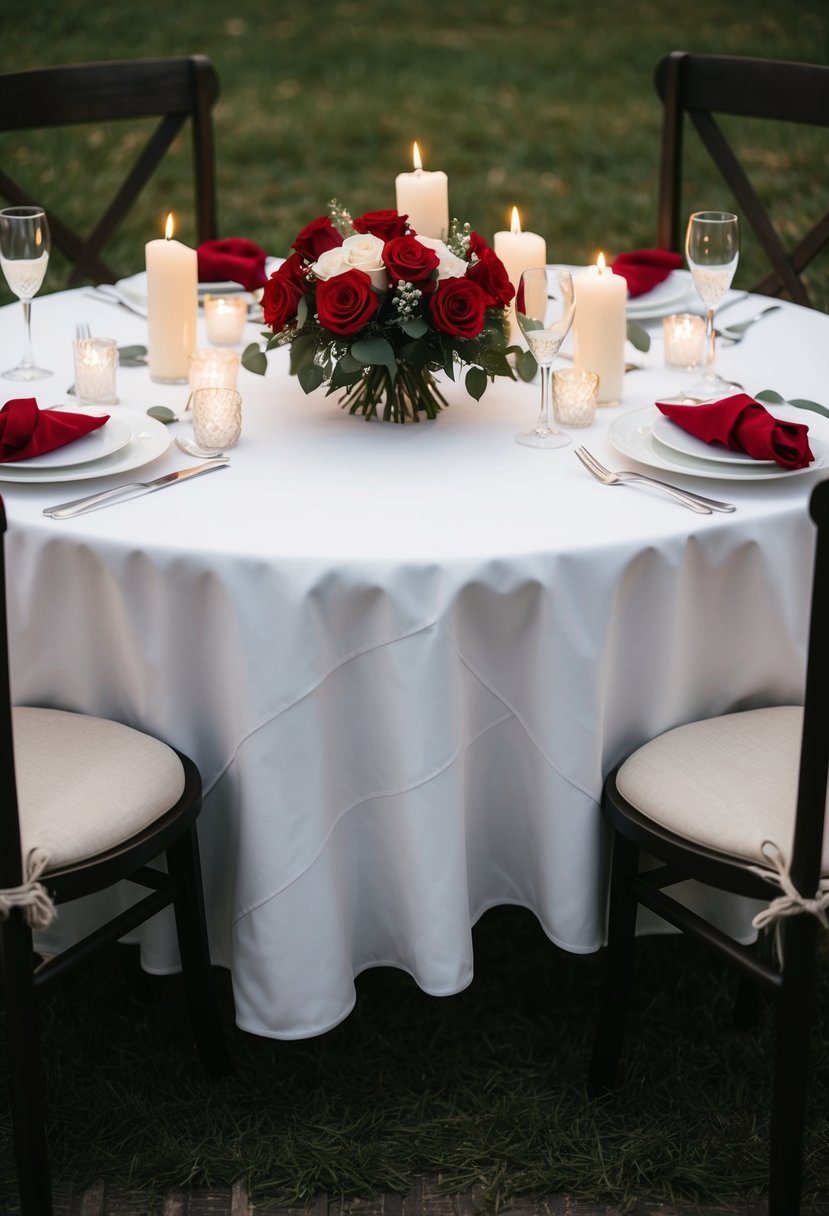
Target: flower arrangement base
[[402, 398]]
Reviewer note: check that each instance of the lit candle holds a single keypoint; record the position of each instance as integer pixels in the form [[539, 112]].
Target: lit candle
[[211, 368], [225, 319], [684, 340], [424, 197], [519, 251], [172, 307], [599, 329]]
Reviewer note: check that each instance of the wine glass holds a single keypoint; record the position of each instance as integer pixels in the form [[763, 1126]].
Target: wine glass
[[712, 247], [545, 307], [24, 256]]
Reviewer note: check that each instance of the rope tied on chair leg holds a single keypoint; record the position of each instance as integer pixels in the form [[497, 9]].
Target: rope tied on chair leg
[[32, 896], [791, 902]]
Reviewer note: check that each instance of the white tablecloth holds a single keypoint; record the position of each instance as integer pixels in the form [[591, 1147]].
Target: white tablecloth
[[403, 658]]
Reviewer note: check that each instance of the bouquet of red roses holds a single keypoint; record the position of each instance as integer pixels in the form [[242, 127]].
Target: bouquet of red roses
[[372, 310]]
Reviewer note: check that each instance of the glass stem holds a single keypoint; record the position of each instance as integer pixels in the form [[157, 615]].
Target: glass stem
[[27, 360], [544, 416], [709, 333]]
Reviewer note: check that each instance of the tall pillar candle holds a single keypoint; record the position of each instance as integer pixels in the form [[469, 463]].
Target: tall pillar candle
[[519, 251], [172, 307], [424, 197], [599, 329]]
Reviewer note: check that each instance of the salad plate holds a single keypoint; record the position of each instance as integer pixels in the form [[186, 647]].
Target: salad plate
[[147, 440]]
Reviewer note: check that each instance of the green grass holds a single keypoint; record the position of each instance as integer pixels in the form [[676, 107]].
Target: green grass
[[548, 106], [485, 1089]]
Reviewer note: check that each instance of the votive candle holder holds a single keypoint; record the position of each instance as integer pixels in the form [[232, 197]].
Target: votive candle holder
[[575, 391], [211, 368], [96, 362], [225, 319], [217, 417], [684, 335]]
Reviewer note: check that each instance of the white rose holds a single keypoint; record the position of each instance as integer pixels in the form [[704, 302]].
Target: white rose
[[331, 263], [365, 252], [450, 266]]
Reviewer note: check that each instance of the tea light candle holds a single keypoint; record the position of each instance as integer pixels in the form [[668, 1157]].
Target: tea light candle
[[96, 361], [225, 318], [684, 336], [600, 329], [519, 251], [424, 197], [213, 368], [172, 307]]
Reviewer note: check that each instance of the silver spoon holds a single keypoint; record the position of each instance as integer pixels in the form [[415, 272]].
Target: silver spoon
[[193, 449]]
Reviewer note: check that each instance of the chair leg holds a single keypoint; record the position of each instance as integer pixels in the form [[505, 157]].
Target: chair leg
[[25, 1075], [620, 959], [191, 926], [791, 1066]]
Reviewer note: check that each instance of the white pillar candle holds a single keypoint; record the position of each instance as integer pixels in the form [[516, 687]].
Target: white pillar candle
[[172, 307], [599, 329], [519, 251], [424, 197]]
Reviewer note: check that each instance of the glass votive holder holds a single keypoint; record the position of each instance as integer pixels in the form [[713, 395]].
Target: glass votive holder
[[96, 361], [225, 319], [217, 417], [684, 340], [213, 368], [574, 396]]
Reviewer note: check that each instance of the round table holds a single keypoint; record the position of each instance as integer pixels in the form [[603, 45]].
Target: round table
[[402, 657]]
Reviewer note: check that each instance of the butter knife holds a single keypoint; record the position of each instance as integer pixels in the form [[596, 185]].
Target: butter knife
[[133, 489]]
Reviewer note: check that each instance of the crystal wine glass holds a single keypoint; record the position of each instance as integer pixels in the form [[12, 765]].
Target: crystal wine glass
[[545, 307], [24, 256], [712, 248]]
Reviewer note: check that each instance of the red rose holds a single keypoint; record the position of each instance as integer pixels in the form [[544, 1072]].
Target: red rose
[[490, 273], [316, 238], [458, 307], [385, 224], [346, 302], [406, 259], [477, 244], [283, 291]]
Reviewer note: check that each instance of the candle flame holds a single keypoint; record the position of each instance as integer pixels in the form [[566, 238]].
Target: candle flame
[[515, 226], [601, 263], [168, 230], [418, 163]]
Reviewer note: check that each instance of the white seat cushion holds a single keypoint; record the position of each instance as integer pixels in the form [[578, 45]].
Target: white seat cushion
[[87, 784], [728, 783]]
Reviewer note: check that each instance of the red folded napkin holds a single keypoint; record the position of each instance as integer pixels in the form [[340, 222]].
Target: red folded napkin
[[232, 258], [644, 269], [743, 425], [27, 431]]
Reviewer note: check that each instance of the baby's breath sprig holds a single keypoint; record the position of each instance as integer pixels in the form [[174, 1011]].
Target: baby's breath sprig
[[340, 218], [458, 239], [406, 299]]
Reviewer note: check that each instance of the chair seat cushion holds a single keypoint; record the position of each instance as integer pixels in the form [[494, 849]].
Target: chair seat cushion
[[87, 784], [728, 783]]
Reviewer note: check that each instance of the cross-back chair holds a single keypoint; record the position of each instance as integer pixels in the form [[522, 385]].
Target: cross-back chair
[[174, 90], [705, 87], [85, 803], [737, 802]]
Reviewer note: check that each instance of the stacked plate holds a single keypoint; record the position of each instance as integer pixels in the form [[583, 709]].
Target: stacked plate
[[649, 437], [128, 440], [674, 294]]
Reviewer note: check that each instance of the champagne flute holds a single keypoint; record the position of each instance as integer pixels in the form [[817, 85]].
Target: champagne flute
[[712, 248], [24, 256], [545, 307]]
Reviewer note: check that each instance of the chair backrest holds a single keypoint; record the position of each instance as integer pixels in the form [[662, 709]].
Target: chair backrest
[[11, 866], [172, 90], [704, 85]]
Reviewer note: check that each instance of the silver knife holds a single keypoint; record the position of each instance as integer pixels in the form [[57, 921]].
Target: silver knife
[[132, 489]]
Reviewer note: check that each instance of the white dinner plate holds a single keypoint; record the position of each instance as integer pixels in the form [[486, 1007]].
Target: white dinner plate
[[109, 438], [662, 299], [148, 439], [671, 435], [632, 435]]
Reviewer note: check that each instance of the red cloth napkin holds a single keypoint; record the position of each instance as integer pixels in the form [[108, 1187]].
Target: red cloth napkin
[[743, 425], [644, 269], [232, 258], [27, 431]]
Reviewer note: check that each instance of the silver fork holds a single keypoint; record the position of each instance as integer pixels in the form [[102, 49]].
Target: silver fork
[[82, 331], [694, 502]]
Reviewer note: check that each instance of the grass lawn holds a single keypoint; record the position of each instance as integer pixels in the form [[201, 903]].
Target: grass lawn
[[549, 106]]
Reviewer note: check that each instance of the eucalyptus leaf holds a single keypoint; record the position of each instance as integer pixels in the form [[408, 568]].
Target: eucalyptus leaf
[[162, 414], [475, 382], [415, 327], [638, 336], [768, 394], [255, 359], [526, 365], [310, 376], [801, 403], [376, 351]]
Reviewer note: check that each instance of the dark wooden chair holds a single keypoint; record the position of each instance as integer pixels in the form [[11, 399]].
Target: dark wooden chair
[[707, 86], [172, 90], [704, 800], [85, 803]]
